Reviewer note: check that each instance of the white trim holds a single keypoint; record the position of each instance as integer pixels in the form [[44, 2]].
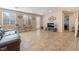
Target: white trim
[[69, 23]]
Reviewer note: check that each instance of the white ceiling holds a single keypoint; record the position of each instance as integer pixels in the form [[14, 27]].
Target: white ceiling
[[43, 10]]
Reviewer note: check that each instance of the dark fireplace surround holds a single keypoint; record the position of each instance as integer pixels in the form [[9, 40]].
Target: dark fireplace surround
[[51, 27]]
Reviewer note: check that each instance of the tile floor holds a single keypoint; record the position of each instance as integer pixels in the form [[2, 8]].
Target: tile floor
[[41, 40]]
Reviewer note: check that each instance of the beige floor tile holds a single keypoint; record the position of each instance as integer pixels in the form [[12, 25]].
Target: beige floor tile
[[41, 40]]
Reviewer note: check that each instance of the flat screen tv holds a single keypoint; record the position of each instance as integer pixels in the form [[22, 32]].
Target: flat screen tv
[[50, 25]]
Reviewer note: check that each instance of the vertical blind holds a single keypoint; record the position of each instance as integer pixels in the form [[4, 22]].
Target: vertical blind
[[8, 18]]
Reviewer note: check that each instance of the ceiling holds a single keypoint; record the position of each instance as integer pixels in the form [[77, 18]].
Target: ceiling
[[43, 10]]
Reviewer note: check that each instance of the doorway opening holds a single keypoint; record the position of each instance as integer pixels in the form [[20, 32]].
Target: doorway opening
[[66, 23]]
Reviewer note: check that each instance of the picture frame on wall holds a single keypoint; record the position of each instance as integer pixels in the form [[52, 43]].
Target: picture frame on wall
[[52, 18]]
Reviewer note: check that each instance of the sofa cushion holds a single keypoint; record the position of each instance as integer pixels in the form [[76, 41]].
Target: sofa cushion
[[9, 39], [10, 33], [3, 31]]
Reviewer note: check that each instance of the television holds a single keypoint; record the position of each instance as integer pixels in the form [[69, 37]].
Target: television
[[50, 25]]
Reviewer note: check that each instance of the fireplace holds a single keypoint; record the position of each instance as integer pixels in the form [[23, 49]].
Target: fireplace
[[51, 27]]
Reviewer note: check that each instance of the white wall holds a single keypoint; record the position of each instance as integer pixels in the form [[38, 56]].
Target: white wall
[[72, 22], [59, 16], [38, 23], [76, 24]]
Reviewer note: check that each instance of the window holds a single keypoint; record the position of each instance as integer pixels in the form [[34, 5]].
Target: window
[[30, 20], [25, 17], [5, 18], [8, 18]]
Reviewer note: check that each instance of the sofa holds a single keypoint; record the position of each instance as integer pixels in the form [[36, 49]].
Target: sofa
[[10, 41]]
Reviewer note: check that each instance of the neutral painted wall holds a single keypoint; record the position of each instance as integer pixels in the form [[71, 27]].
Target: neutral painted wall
[[59, 16], [72, 22], [59, 19]]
